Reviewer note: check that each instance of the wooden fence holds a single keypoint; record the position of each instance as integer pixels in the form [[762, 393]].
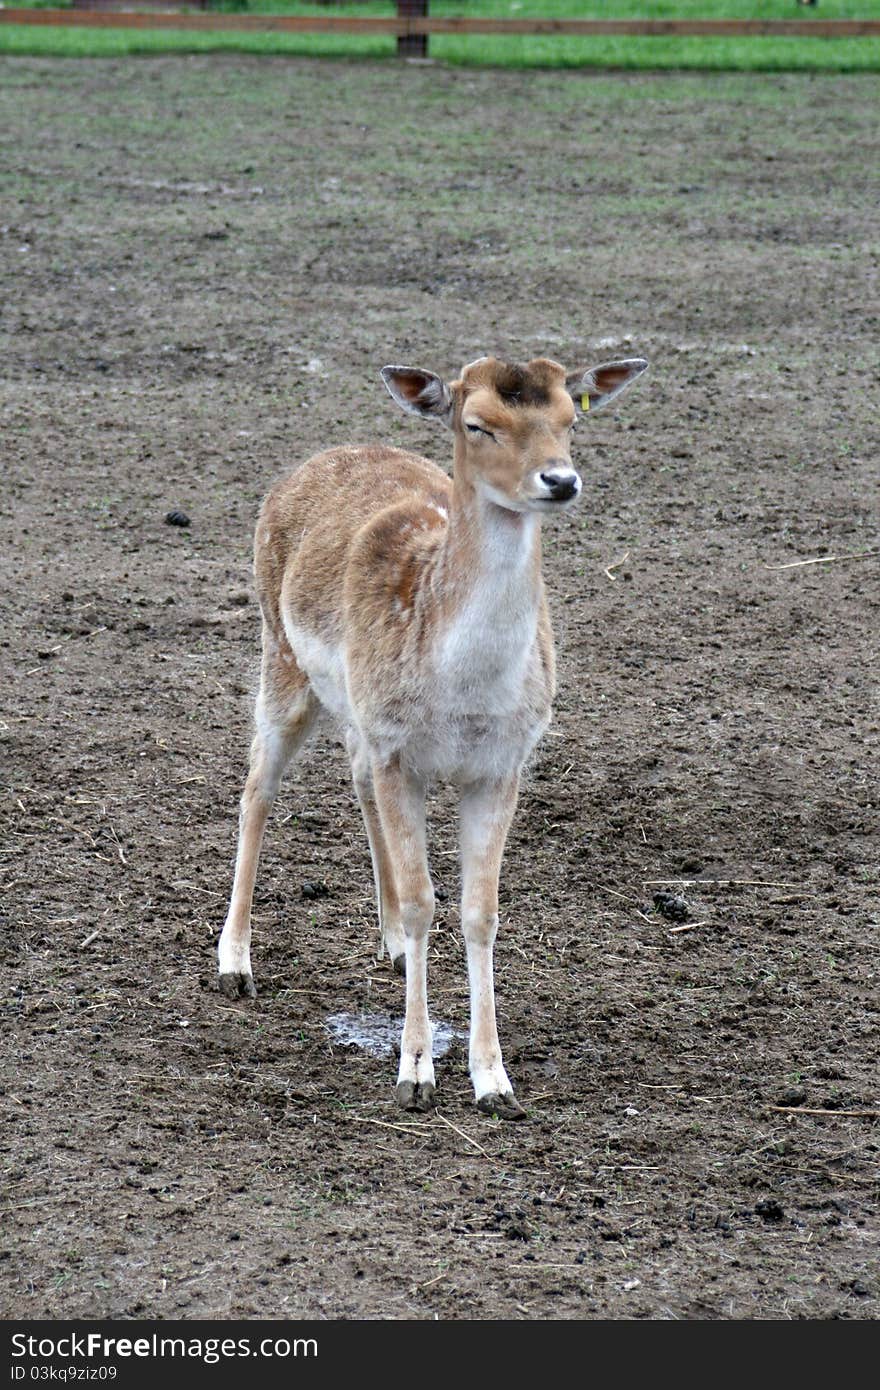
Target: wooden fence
[[412, 24]]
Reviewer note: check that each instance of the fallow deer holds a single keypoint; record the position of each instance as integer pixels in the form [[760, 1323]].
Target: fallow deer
[[411, 607]]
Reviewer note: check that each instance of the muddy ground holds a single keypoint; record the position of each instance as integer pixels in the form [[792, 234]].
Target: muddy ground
[[205, 263]]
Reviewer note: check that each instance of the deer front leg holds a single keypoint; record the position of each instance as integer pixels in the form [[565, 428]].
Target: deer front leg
[[400, 799], [486, 812]]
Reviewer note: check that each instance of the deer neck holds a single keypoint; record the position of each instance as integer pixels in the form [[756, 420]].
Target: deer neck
[[491, 582], [493, 543]]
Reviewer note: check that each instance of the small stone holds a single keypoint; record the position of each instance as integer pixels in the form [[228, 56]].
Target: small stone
[[175, 518], [793, 1095], [672, 905], [769, 1210], [517, 1230], [314, 890], [691, 864]]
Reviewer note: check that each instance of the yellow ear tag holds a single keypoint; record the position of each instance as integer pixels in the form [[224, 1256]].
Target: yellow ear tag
[[585, 402]]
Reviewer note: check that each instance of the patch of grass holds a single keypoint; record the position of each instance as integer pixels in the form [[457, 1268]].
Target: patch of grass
[[731, 55], [762, 54]]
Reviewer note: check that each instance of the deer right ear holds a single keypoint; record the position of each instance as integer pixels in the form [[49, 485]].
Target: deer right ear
[[419, 393]]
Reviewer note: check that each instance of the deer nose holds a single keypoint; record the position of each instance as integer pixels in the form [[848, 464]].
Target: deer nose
[[561, 482]]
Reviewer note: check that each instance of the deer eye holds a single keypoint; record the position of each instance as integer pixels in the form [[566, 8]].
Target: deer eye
[[478, 429]]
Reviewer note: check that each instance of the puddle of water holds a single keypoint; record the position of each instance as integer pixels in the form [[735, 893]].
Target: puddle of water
[[379, 1034]]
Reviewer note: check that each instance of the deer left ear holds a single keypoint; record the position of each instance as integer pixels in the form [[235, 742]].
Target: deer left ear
[[419, 393], [595, 387]]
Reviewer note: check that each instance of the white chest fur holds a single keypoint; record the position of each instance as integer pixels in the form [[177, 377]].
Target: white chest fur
[[481, 721]]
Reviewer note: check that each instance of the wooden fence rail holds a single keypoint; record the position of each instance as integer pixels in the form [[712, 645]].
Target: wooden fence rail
[[412, 29]]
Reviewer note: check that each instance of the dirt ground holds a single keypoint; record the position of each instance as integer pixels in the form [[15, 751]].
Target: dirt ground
[[205, 263]]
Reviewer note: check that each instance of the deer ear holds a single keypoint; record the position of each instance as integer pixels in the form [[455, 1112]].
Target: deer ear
[[419, 393], [595, 387]]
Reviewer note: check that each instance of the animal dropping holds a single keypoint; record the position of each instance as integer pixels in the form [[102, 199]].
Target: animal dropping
[[410, 608]]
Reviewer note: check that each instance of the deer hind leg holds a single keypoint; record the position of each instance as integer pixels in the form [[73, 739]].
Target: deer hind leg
[[485, 814], [285, 712], [400, 799], [390, 929]]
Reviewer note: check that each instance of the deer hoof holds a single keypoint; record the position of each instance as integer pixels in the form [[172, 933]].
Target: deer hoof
[[414, 1095], [506, 1107], [238, 985]]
